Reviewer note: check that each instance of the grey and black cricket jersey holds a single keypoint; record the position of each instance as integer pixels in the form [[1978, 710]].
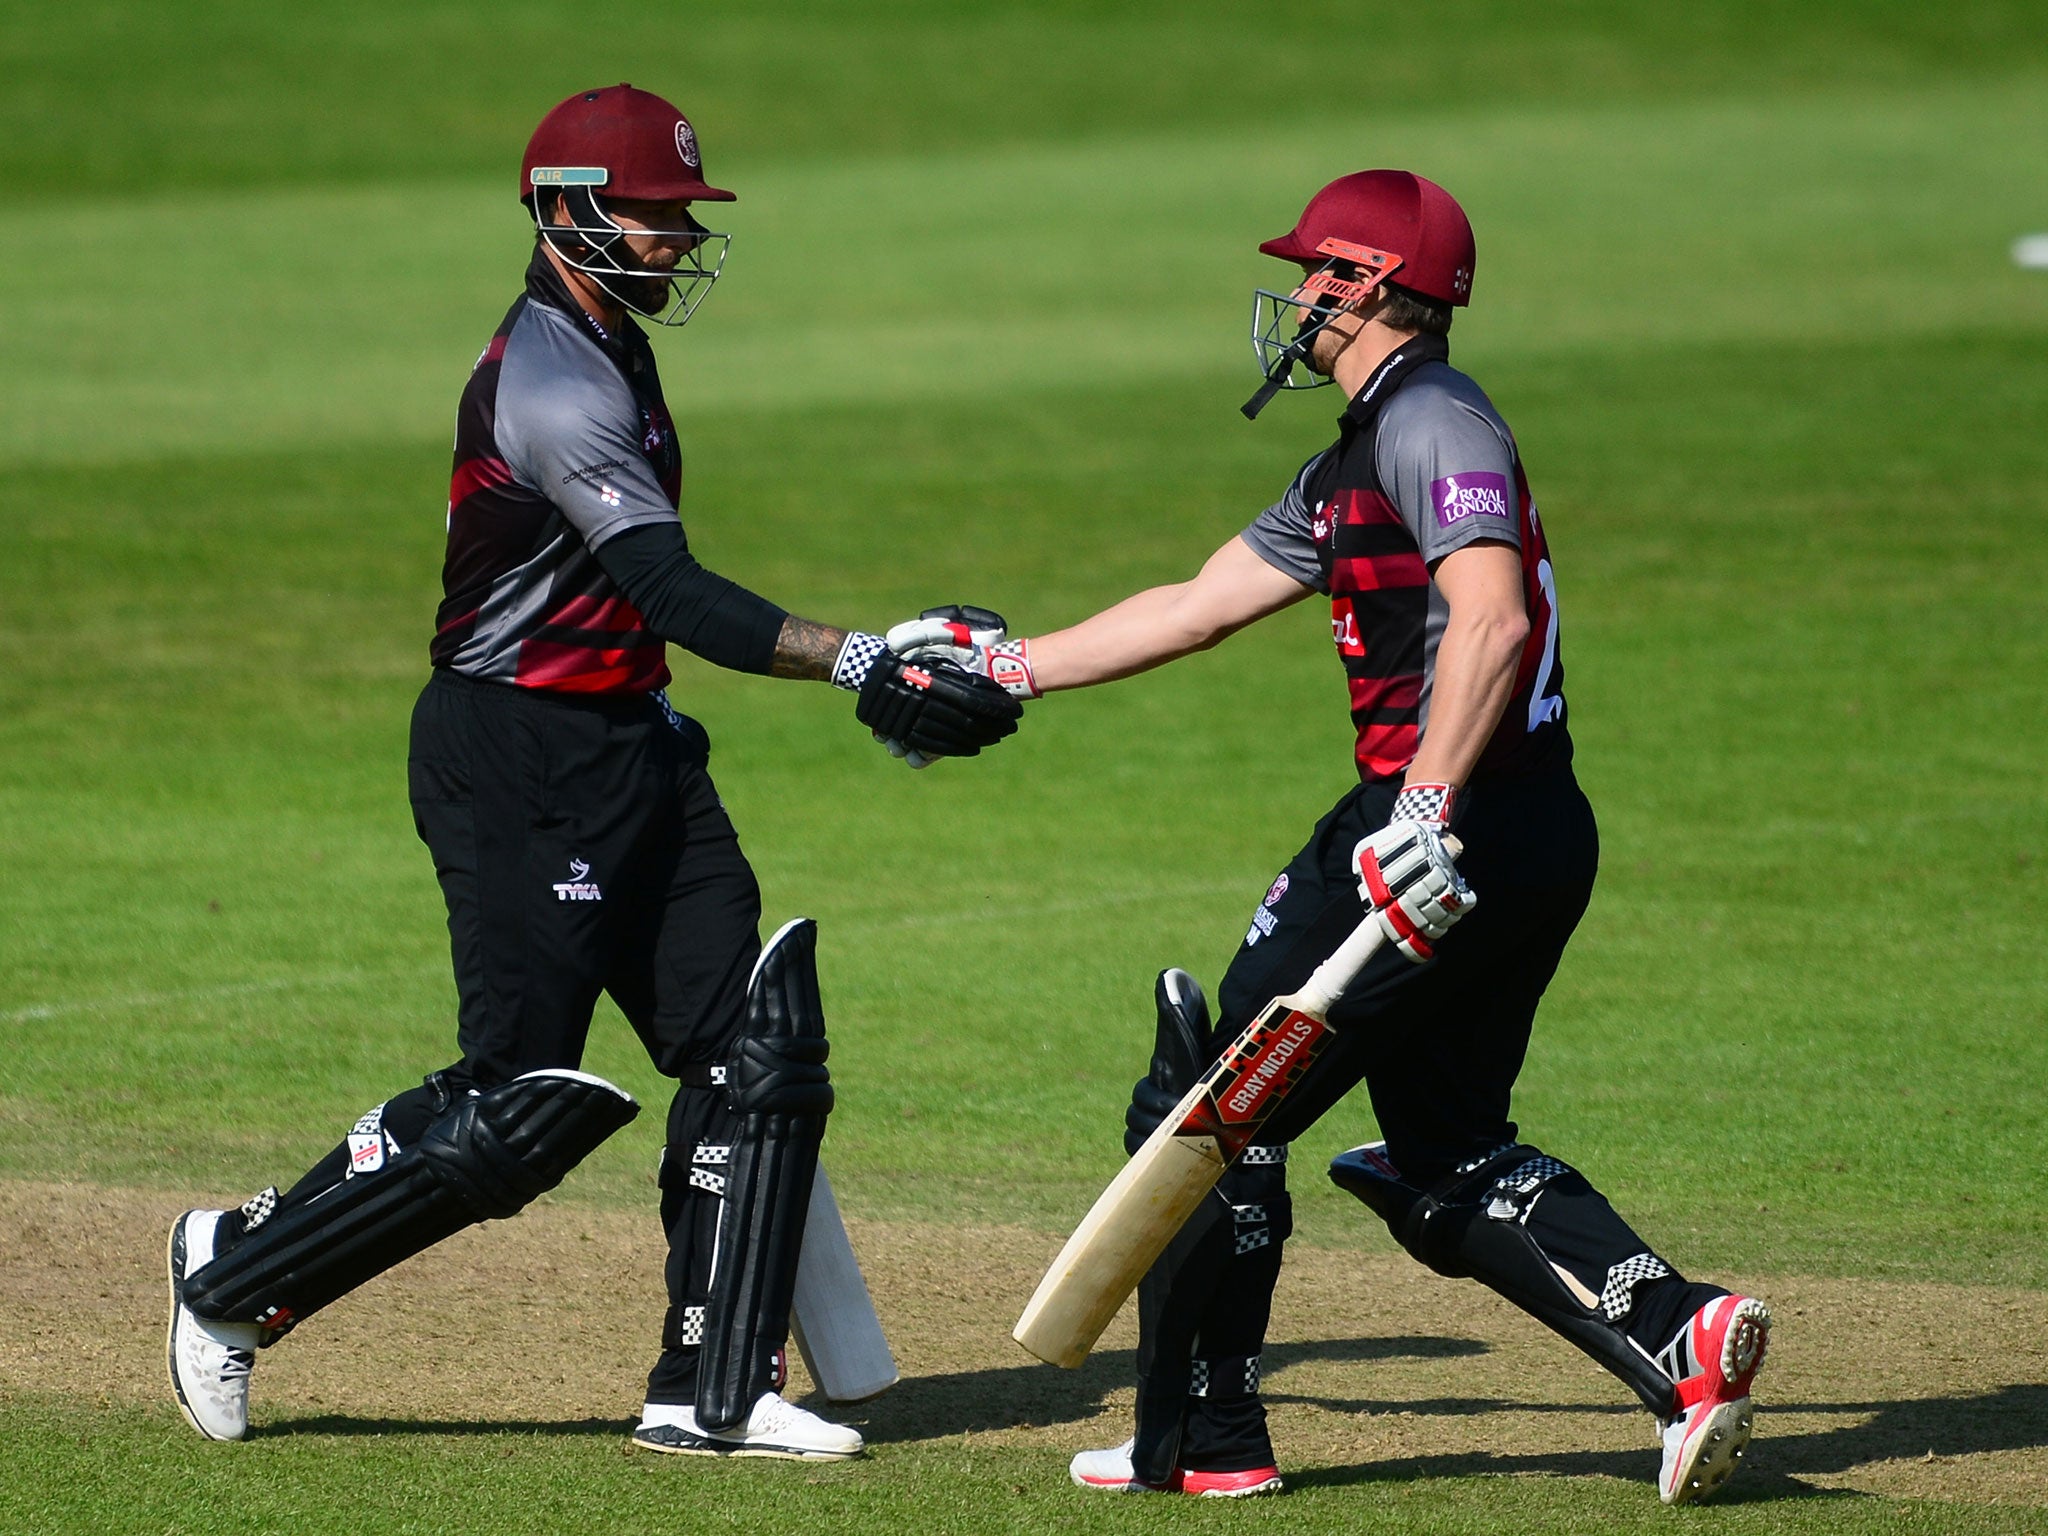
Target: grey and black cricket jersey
[[562, 442], [1423, 466]]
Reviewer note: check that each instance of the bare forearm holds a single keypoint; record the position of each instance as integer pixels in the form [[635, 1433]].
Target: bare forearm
[[806, 649], [1475, 678], [1161, 624], [1134, 636]]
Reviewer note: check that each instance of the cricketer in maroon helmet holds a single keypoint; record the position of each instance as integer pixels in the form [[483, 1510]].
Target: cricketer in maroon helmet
[[1419, 527], [580, 843]]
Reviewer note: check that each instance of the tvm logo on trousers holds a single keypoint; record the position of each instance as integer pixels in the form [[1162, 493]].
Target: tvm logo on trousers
[[579, 886]]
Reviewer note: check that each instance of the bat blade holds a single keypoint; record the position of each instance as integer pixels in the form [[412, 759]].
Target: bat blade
[[1153, 1195], [1134, 1219], [1125, 1231], [832, 1316]]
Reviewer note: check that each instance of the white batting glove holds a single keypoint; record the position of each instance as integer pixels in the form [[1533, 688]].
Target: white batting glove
[[1408, 877], [956, 631], [974, 638]]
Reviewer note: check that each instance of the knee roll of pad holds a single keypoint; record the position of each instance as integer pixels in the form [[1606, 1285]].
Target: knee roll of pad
[[1180, 1052], [485, 1158], [780, 1075], [1531, 1227]]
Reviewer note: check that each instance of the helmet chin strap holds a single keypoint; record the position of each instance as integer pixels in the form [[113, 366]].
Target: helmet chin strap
[[1276, 380]]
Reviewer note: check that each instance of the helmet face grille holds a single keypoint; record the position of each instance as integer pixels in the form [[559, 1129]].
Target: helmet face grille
[[1285, 325], [596, 246]]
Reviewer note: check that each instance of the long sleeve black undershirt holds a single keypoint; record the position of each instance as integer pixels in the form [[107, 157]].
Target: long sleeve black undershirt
[[681, 601]]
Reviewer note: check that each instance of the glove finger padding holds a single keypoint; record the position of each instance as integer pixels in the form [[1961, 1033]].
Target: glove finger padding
[[954, 632], [1407, 875], [935, 709]]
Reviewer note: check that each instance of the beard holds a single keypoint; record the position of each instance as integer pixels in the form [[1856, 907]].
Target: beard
[[647, 295]]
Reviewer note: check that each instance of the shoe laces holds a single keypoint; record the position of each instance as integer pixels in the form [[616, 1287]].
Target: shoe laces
[[238, 1364], [774, 1411]]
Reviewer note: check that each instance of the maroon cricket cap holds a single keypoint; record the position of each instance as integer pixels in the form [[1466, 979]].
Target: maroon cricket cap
[[1394, 211], [619, 141]]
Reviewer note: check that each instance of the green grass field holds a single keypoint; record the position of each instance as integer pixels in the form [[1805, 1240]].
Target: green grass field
[[1743, 291]]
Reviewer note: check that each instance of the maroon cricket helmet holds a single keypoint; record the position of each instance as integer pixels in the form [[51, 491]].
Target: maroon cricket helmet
[[1394, 211], [621, 142]]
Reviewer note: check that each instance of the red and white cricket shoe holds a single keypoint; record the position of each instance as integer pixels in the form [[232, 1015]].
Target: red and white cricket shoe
[[1110, 1472], [1232, 1485], [1724, 1345]]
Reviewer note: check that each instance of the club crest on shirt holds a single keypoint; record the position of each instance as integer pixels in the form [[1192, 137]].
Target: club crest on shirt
[[653, 430], [1475, 494]]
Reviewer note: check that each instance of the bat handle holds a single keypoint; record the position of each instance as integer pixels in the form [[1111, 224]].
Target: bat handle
[[1328, 981]]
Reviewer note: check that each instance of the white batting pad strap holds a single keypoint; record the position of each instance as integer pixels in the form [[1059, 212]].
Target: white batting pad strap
[[710, 1183], [259, 1208], [693, 1326], [1483, 1158], [1227, 1376], [856, 658], [1533, 1174], [1256, 1155], [1617, 1296], [707, 1152]]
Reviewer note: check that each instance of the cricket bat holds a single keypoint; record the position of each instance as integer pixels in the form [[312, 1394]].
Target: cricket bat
[[832, 1317], [1134, 1219]]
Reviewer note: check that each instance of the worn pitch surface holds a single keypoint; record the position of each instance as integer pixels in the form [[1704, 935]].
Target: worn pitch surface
[[1379, 1371]]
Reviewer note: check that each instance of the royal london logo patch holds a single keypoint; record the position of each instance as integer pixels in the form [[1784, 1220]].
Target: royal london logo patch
[[1476, 494]]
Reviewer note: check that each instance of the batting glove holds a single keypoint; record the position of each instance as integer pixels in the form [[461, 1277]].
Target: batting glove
[[934, 709], [1407, 876], [976, 639]]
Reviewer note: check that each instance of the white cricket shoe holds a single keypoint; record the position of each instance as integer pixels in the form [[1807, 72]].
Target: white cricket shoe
[[1110, 1471], [210, 1362], [775, 1427], [1725, 1343]]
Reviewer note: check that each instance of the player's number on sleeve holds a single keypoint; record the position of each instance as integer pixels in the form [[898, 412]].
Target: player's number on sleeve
[[1545, 706]]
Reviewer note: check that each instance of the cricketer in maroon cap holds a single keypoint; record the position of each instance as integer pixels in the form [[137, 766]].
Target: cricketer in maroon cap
[[1418, 526], [581, 845]]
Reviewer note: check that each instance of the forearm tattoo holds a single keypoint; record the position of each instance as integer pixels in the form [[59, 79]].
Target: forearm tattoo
[[806, 649]]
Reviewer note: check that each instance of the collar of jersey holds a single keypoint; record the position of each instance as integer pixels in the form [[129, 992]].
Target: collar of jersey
[[1391, 374], [545, 286]]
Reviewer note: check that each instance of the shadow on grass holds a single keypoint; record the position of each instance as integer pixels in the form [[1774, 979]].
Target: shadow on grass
[[2013, 1418], [343, 1425], [1030, 1396], [924, 1407]]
